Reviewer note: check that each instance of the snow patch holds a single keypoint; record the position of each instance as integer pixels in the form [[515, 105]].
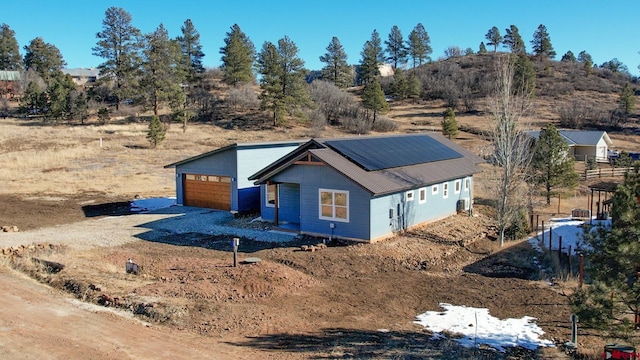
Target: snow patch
[[143, 205]]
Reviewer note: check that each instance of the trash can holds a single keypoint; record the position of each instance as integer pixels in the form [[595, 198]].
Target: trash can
[[616, 351]]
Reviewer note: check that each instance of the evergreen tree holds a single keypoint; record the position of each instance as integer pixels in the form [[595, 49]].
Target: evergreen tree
[[238, 56], [493, 38], [616, 66], [415, 87], [373, 98], [627, 100], [103, 115], [80, 108], [541, 43], [59, 104], [372, 57], [524, 75], [119, 43], [156, 133], [400, 85], [396, 50], [10, 58], [568, 57], [552, 165], [337, 70], [610, 301], [482, 49], [419, 45], [43, 58], [161, 79], [513, 40], [192, 50], [34, 99], [376, 42], [282, 84], [449, 124], [587, 61]]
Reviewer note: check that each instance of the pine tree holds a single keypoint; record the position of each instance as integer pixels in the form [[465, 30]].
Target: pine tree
[[337, 70], [609, 302], [282, 84], [524, 75], [419, 45], [161, 79], [396, 50], [568, 57], [10, 58], [373, 98], [400, 85], [482, 49], [587, 61], [513, 40], [627, 100], [43, 58], [119, 43], [103, 115], [192, 50], [238, 56], [156, 132], [449, 124], [415, 87], [493, 38], [370, 61], [541, 43], [552, 165]]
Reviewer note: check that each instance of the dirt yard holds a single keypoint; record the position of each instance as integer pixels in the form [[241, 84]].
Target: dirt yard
[[344, 301]]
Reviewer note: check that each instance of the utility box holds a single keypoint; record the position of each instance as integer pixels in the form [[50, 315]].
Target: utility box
[[616, 351]]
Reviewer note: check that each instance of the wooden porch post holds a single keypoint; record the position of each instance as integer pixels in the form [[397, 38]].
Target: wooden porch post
[[276, 205]]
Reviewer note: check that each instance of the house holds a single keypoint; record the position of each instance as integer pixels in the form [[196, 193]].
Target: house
[[83, 76], [9, 83], [367, 188], [218, 179], [584, 144]]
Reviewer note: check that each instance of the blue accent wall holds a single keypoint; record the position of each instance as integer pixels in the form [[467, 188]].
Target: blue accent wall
[[249, 199]]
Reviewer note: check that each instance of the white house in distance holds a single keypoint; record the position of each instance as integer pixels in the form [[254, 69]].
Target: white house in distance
[[584, 144]]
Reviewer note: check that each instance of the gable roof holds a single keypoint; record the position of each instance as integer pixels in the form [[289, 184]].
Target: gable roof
[[389, 179], [237, 146], [578, 137]]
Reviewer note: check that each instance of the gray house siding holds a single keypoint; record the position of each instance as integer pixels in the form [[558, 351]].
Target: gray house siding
[[223, 164], [310, 179]]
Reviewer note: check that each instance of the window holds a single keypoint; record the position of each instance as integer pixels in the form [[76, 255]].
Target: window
[[422, 195], [445, 190], [457, 186], [408, 196], [334, 205], [434, 189], [270, 200], [467, 184]]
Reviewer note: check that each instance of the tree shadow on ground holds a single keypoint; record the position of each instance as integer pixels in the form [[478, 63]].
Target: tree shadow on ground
[[107, 209], [341, 343], [513, 262]]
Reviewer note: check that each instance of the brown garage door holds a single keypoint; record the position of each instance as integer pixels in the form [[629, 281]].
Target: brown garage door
[[207, 191]]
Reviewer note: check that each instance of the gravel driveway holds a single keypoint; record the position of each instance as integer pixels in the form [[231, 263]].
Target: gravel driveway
[[152, 225]]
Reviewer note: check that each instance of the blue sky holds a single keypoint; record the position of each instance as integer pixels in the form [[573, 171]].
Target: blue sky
[[606, 30]]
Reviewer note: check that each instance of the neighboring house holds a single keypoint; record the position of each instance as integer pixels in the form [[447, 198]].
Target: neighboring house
[[367, 188], [583, 144], [218, 179], [83, 76], [9, 83]]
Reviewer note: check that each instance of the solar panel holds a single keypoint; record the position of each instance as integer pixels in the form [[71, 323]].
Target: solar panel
[[388, 152]]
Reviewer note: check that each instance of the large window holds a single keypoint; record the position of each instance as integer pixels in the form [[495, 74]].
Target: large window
[[334, 205], [270, 194]]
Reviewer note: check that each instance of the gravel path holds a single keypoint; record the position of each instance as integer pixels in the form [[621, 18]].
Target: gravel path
[[152, 225]]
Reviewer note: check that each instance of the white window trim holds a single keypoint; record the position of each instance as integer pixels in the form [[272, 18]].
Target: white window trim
[[420, 191], [445, 190], [320, 191], [467, 183], [434, 189], [457, 186], [409, 196], [266, 196]]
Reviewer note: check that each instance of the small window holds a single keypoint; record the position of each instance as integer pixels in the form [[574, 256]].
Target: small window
[[213, 178], [334, 205], [445, 190], [457, 186], [467, 184], [408, 196], [434, 189], [225, 179], [422, 195], [270, 200], [190, 177]]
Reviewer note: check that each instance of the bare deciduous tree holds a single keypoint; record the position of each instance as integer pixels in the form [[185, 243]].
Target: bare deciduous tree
[[512, 151]]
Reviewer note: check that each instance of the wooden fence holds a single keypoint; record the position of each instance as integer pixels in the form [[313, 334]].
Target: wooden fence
[[602, 173]]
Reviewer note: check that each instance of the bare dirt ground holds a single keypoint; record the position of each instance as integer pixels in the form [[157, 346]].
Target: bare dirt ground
[[345, 301]]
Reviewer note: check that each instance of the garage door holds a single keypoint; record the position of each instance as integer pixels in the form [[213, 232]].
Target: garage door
[[207, 191]]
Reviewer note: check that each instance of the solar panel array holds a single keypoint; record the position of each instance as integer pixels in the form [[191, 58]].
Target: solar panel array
[[388, 152]]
